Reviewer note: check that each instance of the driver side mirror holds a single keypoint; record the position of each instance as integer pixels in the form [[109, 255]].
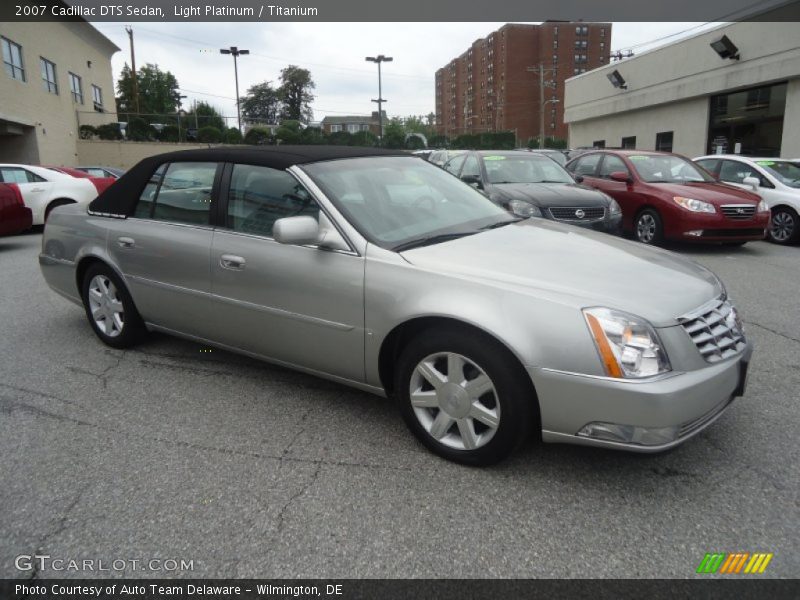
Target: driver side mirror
[[578, 178], [473, 180], [305, 230], [753, 182], [620, 176]]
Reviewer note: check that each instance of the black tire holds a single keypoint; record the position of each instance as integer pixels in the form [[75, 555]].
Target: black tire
[[648, 228], [133, 329], [784, 226], [513, 395], [55, 204]]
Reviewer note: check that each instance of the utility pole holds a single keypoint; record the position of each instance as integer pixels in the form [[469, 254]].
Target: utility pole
[[235, 52], [134, 79], [542, 84], [379, 59]]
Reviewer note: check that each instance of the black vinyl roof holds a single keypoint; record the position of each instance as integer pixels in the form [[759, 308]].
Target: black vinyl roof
[[120, 198]]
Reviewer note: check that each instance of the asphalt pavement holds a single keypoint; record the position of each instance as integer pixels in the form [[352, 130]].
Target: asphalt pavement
[[171, 452]]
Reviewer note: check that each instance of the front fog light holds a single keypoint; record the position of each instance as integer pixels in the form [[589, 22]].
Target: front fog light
[[629, 434], [628, 346], [694, 233]]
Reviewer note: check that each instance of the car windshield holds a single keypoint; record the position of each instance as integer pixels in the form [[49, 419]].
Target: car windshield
[[396, 201], [786, 172], [667, 168], [524, 168]]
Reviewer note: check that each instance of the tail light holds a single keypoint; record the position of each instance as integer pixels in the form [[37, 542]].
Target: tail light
[[101, 183], [17, 193]]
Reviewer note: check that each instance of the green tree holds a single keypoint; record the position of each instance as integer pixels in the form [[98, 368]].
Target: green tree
[[262, 103], [207, 116], [295, 94], [158, 93], [289, 132], [312, 135], [394, 134]]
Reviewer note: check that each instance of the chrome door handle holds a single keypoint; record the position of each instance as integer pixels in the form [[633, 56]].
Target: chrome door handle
[[230, 261], [126, 242], [37, 189]]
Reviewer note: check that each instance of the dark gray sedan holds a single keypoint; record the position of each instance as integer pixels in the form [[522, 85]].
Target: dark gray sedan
[[530, 184]]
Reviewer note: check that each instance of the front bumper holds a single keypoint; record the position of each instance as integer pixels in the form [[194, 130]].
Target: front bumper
[[688, 402], [609, 224], [718, 228]]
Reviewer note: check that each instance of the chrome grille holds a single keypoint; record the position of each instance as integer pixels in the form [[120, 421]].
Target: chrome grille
[[716, 330], [577, 213], [739, 212]]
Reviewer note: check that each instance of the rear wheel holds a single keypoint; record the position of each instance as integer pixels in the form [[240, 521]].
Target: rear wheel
[[464, 396], [110, 309], [55, 204], [784, 227], [648, 228]]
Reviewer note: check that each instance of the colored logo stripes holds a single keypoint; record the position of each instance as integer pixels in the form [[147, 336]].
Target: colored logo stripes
[[734, 563]]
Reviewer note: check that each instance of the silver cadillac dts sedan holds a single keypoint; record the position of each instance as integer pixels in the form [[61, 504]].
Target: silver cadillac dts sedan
[[383, 272]]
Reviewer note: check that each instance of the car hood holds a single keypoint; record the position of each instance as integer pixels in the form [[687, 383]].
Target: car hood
[[575, 266], [548, 194], [713, 193]]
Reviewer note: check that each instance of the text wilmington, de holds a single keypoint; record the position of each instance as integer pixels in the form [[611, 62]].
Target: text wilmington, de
[[272, 10]]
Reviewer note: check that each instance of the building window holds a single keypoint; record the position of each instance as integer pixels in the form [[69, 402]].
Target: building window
[[555, 43], [12, 59], [580, 58], [664, 141], [599, 144], [49, 77], [629, 143], [97, 98], [582, 30], [603, 33], [581, 43], [76, 88], [555, 30], [336, 128], [353, 128]]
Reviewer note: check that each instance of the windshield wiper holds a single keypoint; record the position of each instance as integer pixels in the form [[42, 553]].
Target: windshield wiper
[[431, 239]]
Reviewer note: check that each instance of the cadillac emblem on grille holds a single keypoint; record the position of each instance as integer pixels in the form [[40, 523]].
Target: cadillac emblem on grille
[[580, 213]]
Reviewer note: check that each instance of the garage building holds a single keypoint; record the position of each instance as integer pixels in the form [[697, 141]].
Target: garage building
[[740, 96]]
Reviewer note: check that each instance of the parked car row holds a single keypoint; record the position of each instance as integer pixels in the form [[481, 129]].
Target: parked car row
[[44, 188]]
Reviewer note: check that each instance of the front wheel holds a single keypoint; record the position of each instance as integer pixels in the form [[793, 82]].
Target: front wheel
[[784, 227], [110, 309], [648, 227], [464, 396]]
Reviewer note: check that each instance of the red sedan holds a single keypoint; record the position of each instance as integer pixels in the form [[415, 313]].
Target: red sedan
[[667, 197], [100, 183], [15, 217]]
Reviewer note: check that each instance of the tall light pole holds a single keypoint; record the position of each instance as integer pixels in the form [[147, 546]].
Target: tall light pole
[[233, 50], [180, 98], [379, 59], [542, 84]]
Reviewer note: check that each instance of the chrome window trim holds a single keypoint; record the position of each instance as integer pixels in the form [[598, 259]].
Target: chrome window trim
[[653, 379]]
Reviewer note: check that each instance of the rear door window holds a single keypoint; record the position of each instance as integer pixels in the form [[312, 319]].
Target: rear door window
[[18, 175], [586, 165], [612, 164], [181, 195], [734, 171]]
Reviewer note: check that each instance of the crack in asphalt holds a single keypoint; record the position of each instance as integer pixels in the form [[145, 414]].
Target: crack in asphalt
[[280, 518], [104, 375], [42, 394], [778, 333], [8, 405], [61, 526]]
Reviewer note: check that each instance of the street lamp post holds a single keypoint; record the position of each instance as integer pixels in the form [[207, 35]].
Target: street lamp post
[[236, 52], [180, 99], [379, 59]]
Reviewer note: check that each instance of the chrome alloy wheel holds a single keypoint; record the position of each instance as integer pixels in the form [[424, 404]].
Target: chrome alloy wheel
[[106, 306], [455, 401], [646, 228], [782, 226]]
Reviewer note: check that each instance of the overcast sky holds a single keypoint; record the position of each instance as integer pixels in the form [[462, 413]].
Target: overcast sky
[[333, 52]]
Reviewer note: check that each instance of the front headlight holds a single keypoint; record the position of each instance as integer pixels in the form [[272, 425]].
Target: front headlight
[[628, 346], [762, 207], [524, 209], [694, 205], [613, 206]]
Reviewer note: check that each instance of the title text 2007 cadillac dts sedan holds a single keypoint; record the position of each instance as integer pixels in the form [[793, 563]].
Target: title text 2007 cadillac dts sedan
[[381, 271]]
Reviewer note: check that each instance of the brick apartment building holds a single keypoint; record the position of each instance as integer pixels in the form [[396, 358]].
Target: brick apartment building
[[489, 87]]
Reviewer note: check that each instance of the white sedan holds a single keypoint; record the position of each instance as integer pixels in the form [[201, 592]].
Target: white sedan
[[44, 189], [776, 180]]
